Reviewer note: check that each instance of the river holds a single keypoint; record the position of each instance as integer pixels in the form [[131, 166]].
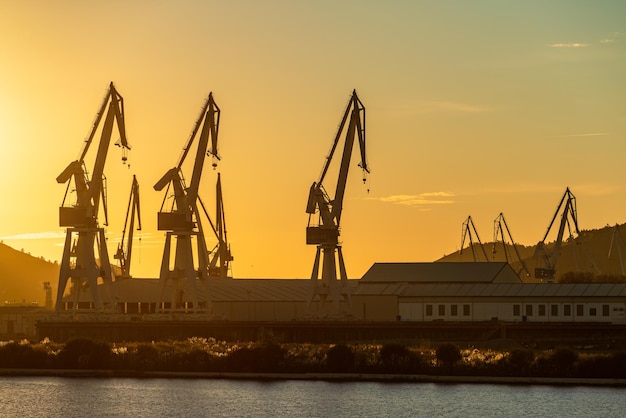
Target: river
[[122, 397]]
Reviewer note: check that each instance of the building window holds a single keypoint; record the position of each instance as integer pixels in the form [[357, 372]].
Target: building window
[[517, 311], [580, 310], [429, 310], [567, 310], [605, 310], [554, 310], [442, 310], [466, 310], [453, 310], [592, 311], [542, 310], [529, 310]]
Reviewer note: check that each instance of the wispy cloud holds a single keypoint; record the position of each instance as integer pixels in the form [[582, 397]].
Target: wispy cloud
[[569, 45], [585, 135], [612, 38], [430, 198], [35, 235], [413, 107]]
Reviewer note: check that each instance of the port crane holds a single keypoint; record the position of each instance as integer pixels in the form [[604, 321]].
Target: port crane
[[467, 228], [617, 239], [546, 261], [124, 252], [499, 233], [325, 233], [182, 221], [220, 255], [84, 235]]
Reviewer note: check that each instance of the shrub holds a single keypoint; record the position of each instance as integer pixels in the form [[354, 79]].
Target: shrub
[[16, 355], [519, 362], [83, 353], [397, 358], [340, 358], [448, 355]]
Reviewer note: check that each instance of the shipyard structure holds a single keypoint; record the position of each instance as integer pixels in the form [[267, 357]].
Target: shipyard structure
[[195, 294]]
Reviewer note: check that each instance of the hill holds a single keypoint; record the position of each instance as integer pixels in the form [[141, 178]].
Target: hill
[[22, 276], [578, 255]]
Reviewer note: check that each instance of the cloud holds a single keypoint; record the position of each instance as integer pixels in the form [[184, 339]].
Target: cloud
[[585, 135], [612, 38], [35, 235], [412, 107], [431, 198], [570, 45]]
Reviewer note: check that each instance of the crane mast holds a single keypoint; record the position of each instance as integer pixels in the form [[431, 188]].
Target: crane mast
[[80, 263], [182, 221], [499, 232], [467, 228], [546, 262], [133, 211], [325, 234]]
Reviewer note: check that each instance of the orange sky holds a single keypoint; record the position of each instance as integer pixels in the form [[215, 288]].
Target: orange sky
[[473, 108]]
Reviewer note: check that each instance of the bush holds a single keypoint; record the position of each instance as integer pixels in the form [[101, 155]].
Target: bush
[[519, 362], [264, 358], [397, 358], [448, 355], [22, 356], [340, 359], [83, 353]]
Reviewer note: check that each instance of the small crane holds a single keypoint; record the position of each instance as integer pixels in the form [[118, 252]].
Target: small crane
[[325, 234], [546, 262], [467, 228], [132, 211], [499, 232], [182, 222], [617, 239], [79, 262], [220, 255]]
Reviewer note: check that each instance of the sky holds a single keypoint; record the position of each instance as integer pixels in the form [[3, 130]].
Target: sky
[[473, 109]]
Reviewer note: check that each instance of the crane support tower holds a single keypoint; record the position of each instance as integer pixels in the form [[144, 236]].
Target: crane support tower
[[182, 221], [545, 261], [325, 234], [133, 211], [502, 233], [467, 228], [83, 235]]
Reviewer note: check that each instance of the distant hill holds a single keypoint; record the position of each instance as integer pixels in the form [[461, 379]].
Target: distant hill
[[22, 276], [578, 255]]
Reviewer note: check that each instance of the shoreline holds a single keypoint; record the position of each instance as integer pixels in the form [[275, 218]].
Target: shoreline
[[329, 377]]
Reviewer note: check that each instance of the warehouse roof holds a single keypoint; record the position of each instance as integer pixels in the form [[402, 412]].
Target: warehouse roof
[[503, 290], [465, 272]]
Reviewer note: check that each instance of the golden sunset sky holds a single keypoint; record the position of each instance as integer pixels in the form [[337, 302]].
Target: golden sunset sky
[[473, 108]]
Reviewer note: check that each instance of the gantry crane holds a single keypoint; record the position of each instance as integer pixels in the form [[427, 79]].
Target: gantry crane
[[467, 228], [133, 211], [499, 233], [182, 221], [546, 262], [79, 262], [325, 234]]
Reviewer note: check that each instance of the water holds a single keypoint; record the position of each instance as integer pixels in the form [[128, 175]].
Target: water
[[117, 397]]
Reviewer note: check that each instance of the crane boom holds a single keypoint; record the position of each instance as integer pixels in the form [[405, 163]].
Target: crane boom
[[80, 263], [498, 231], [467, 227], [546, 262], [133, 210], [183, 221], [325, 234]]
